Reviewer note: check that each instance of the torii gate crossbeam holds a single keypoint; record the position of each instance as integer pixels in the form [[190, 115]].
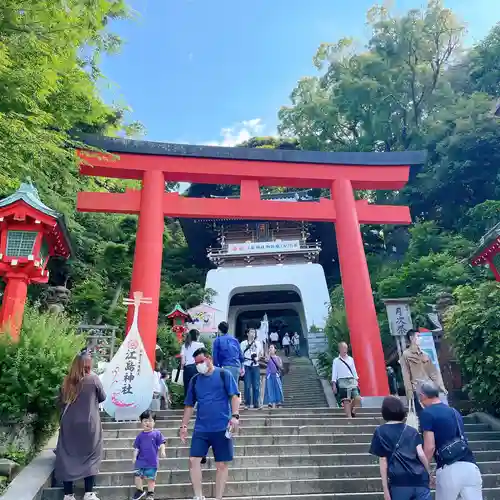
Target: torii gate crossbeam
[[157, 163]]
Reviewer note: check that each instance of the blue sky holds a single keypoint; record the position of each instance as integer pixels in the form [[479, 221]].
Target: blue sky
[[217, 71]]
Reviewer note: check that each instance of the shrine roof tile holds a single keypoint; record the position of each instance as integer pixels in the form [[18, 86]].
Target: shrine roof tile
[[29, 194], [132, 146]]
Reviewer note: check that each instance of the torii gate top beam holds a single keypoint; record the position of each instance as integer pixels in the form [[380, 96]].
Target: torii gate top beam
[[222, 165]]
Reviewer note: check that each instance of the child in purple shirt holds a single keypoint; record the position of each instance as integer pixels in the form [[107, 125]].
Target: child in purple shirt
[[146, 447]]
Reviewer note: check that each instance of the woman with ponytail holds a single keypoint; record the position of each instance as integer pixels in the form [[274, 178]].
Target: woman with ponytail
[[188, 366], [80, 443]]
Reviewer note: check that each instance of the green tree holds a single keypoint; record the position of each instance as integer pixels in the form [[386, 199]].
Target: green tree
[[376, 99], [473, 325]]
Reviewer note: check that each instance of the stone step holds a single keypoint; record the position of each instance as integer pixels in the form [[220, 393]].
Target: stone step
[[274, 487], [286, 461], [276, 412], [246, 430], [266, 473], [259, 416], [488, 494], [253, 420], [285, 449], [296, 439]]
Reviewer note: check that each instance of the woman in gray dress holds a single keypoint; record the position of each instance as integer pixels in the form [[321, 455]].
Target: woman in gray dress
[[79, 447]]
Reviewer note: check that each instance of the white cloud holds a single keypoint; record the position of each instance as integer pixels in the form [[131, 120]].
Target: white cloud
[[232, 136], [238, 133]]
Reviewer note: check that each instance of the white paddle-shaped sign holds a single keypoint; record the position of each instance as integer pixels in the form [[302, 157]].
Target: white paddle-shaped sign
[[129, 378]]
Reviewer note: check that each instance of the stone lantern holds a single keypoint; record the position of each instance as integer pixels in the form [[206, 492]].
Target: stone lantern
[[30, 234]]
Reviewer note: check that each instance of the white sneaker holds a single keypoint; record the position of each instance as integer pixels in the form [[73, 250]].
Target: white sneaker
[[69, 497], [90, 496], [199, 498]]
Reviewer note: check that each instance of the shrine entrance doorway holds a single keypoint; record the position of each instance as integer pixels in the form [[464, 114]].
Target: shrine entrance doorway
[[284, 309], [154, 164]]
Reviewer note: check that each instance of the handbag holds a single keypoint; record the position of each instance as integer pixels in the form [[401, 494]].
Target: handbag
[[412, 419], [454, 451], [347, 383]]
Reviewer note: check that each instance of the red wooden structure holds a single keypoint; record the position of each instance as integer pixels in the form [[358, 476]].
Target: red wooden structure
[[30, 233], [342, 173], [489, 248]]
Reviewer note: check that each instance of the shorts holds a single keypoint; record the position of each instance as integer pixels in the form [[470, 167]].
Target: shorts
[[222, 447], [344, 394], [148, 473]]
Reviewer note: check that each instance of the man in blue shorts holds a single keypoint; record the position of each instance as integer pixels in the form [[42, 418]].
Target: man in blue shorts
[[217, 417]]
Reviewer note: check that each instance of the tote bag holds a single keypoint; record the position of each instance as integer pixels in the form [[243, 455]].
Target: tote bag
[[412, 419]]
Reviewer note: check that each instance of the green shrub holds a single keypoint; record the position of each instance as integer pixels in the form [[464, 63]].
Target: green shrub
[[167, 340], [473, 325], [177, 396], [32, 370]]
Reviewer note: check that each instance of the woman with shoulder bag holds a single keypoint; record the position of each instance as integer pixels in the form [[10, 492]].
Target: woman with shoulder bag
[[80, 443], [274, 388], [404, 468]]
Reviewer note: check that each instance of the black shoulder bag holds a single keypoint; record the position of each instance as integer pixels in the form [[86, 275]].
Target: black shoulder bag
[[456, 450], [403, 461]]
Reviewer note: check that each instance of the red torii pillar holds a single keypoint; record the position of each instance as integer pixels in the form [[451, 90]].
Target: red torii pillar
[[152, 204]]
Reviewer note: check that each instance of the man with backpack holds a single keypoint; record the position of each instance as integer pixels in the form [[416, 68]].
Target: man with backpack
[[227, 353], [217, 417], [345, 381]]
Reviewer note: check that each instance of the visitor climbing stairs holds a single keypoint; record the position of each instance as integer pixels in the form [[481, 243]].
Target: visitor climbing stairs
[[282, 454]]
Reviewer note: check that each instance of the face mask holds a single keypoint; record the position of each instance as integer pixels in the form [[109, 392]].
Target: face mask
[[202, 368]]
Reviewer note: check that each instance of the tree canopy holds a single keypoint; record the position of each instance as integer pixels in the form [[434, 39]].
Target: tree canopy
[[413, 85], [49, 77]]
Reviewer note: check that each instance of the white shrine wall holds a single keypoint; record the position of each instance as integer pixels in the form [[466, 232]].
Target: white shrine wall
[[308, 280]]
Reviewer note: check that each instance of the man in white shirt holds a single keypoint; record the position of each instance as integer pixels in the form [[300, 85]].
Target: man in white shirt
[[252, 351], [275, 338], [345, 381], [286, 344]]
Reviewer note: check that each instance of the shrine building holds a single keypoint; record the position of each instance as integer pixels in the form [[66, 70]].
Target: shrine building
[[267, 267]]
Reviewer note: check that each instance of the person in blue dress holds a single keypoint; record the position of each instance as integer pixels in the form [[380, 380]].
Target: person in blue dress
[[274, 389]]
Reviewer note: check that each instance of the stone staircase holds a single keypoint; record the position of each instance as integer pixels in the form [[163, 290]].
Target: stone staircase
[[301, 386], [283, 454]]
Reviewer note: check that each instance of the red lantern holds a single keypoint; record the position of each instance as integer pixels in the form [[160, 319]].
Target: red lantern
[[30, 234]]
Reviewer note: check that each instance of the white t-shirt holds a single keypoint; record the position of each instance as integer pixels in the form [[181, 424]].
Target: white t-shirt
[[255, 348], [340, 370], [187, 352], [274, 337], [296, 339], [286, 340]]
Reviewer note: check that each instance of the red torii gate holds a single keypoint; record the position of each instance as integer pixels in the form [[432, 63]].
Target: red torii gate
[[342, 173]]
